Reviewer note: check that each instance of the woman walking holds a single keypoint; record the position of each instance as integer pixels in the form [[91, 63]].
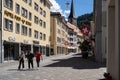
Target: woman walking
[[21, 60]]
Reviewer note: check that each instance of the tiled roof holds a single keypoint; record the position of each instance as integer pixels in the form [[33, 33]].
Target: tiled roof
[[74, 28]]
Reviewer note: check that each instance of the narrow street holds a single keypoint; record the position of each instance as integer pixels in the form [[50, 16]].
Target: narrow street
[[60, 67]]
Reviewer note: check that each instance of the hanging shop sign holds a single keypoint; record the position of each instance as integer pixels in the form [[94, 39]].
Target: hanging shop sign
[[11, 15]]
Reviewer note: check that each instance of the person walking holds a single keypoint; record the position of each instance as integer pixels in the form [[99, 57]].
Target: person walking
[[30, 57], [21, 60], [38, 58]]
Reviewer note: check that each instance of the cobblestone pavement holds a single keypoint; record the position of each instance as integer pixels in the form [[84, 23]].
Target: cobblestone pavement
[[60, 67]]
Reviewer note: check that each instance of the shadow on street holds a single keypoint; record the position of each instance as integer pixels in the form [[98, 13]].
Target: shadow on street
[[76, 62]]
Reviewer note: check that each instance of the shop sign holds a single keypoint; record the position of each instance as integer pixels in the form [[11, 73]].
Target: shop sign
[[47, 45], [11, 38], [25, 41], [35, 42], [11, 15]]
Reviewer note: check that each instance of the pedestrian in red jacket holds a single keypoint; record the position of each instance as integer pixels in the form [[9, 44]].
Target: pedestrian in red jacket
[[38, 58]]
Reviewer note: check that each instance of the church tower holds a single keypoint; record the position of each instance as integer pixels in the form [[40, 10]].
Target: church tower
[[71, 18]]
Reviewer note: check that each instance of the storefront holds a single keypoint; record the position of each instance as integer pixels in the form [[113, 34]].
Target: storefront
[[11, 50]]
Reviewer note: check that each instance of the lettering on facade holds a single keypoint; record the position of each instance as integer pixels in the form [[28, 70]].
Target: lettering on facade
[[11, 15], [11, 38], [35, 42], [25, 41]]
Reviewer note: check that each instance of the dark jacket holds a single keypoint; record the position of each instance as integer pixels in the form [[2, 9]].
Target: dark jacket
[[30, 56]]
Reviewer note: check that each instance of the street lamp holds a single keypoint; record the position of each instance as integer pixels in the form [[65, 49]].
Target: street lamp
[[67, 3]]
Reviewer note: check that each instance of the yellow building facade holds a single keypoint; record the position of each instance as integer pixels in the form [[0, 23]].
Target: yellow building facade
[[58, 34], [25, 26]]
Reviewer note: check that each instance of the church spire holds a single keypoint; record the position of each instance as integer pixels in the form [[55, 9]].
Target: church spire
[[71, 17], [72, 14]]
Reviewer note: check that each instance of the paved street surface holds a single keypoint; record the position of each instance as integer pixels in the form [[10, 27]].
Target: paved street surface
[[60, 67]]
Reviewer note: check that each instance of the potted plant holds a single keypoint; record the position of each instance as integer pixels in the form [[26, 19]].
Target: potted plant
[[85, 48]]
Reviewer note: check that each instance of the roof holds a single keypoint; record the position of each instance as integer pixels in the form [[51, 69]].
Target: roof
[[74, 28]]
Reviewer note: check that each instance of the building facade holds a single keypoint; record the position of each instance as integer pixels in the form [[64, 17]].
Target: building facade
[[113, 38], [74, 36], [25, 26], [58, 34], [110, 32]]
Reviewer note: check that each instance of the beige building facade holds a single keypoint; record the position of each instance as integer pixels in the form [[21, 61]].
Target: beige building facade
[[113, 38], [110, 35], [25, 25], [58, 34]]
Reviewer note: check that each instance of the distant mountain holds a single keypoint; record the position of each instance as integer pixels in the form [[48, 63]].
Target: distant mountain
[[84, 19]]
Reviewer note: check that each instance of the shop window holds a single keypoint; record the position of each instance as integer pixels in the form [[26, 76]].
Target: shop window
[[8, 24]]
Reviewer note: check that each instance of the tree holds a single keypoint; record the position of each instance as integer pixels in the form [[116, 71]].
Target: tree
[[84, 19]]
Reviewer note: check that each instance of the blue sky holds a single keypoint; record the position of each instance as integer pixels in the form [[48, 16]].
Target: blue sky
[[80, 6]]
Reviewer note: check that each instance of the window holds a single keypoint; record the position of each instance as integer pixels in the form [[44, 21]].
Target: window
[[25, 1], [36, 6], [36, 19], [40, 10], [40, 36], [9, 4], [30, 2], [40, 22], [36, 34], [17, 28], [8, 24], [44, 24], [41, 1], [44, 36], [30, 32], [24, 30], [17, 8], [58, 39], [24, 12], [30, 16], [59, 31], [44, 13], [44, 2]]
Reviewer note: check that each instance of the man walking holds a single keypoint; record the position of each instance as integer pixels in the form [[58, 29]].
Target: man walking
[[30, 57]]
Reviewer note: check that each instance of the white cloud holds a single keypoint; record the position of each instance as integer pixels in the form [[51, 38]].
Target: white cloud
[[66, 12], [56, 8]]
